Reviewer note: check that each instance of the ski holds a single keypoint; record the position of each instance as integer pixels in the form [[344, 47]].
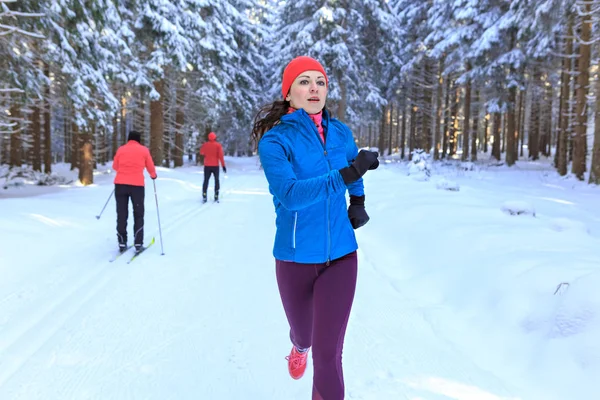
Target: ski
[[119, 254], [140, 252]]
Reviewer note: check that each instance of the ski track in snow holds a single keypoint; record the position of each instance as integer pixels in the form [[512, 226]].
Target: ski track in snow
[[166, 327], [20, 341]]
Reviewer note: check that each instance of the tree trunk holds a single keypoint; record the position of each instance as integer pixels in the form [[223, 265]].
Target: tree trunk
[[67, 136], [595, 167], [123, 118], [403, 132], [86, 159], [167, 148], [579, 143], [75, 146], [485, 133], [502, 133], [16, 145], [467, 118], [446, 132], [522, 121], [47, 128], [534, 119], [5, 147], [179, 121], [437, 139], [413, 127], [36, 132], [115, 133], [141, 119], [497, 132], [511, 123], [381, 138], [95, 145], [453, 139], [475, 129], [546, 126], [518, 131], [157, 123], [105, 147], [391, 128], [427, 107]]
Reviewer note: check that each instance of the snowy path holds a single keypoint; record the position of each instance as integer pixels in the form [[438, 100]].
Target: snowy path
[[205, 320]]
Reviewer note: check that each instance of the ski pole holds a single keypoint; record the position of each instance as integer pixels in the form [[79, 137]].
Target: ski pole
[[162, 251], [105, 204]]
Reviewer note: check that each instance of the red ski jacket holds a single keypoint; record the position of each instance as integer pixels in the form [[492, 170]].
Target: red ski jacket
[[130, 161], [212, 152]]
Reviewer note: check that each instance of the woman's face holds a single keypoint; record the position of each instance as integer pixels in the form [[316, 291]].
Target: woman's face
[[309, 91]]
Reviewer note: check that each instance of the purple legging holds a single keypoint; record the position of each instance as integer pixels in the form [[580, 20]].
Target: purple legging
[[317, 300]]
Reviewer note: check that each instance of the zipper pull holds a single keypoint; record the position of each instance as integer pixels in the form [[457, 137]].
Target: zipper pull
[[325, 152], [327, 263]]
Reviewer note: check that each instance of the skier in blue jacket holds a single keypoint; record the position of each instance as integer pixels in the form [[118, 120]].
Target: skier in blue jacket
[[310, 161]]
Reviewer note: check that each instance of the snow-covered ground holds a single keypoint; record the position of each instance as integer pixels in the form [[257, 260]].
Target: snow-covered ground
[[456, 299]]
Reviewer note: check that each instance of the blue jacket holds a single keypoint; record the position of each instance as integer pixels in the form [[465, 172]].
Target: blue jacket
[[308, 191]]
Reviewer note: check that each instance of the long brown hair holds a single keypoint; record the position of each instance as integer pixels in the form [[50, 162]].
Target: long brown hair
[[267, 117]]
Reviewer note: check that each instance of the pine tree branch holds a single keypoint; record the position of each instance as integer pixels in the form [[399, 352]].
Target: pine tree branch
[[12, 29], [10, 13]]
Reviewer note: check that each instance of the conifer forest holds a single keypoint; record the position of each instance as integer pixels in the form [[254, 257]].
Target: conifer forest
[[459, 79]]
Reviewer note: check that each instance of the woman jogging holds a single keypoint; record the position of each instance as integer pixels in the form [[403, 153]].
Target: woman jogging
[[310, 161]]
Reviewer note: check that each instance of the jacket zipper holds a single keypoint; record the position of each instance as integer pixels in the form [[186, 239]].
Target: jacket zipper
[[294, 233], [323, 145]]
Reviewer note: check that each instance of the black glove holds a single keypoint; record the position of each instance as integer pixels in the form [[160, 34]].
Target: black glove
[[224, 169], [356, 212], [364, 161]]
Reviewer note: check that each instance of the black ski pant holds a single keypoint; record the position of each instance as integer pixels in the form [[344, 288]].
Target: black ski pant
[[122, 194], [207, 172]]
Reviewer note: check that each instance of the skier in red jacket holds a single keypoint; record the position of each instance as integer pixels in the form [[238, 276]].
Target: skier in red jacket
[[213, 154], [129, 163]]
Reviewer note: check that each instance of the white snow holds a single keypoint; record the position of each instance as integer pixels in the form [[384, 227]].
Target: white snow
[[455, 299]]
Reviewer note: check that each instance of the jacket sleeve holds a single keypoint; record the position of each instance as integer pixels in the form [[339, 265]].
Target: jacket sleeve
[[150, 164], [115, 163], [356, 188], [294, 194], [221, 156]]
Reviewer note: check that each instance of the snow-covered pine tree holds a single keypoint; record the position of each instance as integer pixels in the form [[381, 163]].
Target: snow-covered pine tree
[[240, 69], [21, 78], [84, 41]]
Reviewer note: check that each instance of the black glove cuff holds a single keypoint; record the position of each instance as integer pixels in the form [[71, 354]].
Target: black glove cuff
[[349, 174], [357, 200]]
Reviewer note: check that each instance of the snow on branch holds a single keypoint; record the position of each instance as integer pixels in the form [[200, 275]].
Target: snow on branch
[[11, 29], [8, 29], [11, 90], [11, 13]]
